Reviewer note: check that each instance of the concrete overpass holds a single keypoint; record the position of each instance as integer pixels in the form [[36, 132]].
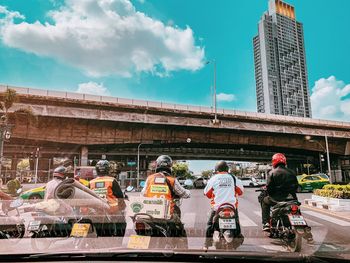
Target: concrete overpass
[[83, 125]]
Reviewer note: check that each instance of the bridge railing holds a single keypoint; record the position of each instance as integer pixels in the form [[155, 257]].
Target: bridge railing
[[171, 106]]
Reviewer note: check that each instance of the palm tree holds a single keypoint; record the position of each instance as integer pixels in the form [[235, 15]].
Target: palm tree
[[9, 98]]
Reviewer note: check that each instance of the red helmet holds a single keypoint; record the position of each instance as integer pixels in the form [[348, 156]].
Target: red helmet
[[278, 158]]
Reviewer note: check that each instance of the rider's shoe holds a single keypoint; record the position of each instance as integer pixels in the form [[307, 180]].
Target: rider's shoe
[[266, 227]]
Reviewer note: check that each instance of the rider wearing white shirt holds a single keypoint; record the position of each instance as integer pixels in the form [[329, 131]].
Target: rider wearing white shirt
[[221, 188]]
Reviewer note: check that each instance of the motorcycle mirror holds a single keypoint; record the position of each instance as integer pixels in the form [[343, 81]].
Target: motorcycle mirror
[[19, 191], [129, 188], [16, 203]]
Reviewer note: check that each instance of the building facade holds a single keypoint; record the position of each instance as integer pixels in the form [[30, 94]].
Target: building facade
[[280, 64]]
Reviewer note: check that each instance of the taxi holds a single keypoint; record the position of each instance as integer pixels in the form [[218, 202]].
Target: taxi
[[39, 192], [310, 182]]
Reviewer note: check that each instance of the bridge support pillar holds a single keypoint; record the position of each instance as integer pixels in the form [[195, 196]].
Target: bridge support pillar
[[84, 156], [347, 148]]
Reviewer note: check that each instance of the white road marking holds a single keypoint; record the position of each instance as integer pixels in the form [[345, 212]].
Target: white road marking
[[258, 213], [245, 220], [327, 218], [189, 219], [312, 222]]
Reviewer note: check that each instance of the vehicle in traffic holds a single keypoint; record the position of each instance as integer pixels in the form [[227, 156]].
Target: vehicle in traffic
[[12, 226], [249, 182], [38, 193], [288, 224], [227, 230], [311, 182], [200, 182]]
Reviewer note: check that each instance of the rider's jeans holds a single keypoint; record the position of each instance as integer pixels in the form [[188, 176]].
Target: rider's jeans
[[210, 229], [265, 208]]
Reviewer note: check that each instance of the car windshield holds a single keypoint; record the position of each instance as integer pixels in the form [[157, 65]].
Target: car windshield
[[212, 129]]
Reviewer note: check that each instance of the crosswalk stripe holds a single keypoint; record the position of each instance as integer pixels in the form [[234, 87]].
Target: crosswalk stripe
[[189, 219], [245, 220], [312, 222], [328, 218], [258, 213]]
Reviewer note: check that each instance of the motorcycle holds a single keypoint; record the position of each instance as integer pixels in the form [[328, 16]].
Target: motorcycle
[[227, 231], [88, 216], [162, 233], [12, 226], [287, 223]]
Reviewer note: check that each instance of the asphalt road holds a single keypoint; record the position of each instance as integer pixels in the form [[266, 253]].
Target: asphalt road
[[331, 234]]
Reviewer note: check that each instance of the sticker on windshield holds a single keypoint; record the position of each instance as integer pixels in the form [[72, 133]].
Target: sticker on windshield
[[139, 242]]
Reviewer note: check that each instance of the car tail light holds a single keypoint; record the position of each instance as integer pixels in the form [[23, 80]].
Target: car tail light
[[226, 212], [294, 209]]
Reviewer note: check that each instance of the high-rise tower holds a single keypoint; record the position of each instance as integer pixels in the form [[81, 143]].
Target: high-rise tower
[[280, 64]]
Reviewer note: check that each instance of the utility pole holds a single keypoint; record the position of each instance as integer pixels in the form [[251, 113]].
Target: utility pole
[[36, 165]]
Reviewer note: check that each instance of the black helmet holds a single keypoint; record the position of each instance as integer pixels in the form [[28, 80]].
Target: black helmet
[[164, 163], [102, 167], [60, 172], [221, 166]]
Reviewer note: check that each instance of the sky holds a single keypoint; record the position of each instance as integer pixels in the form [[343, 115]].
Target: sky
[[157, 50]]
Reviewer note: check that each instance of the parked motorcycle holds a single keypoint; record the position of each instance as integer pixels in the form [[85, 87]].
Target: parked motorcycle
[[227, 230], [287, 223]]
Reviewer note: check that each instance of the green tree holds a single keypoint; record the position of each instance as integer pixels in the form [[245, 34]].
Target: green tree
[[9, 98], [207, 173], [7, 116], [181, 170], [23, 165]]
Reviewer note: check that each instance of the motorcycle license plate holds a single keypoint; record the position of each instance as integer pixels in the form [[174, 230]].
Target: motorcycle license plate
[[297, 220], [139, 242], [34, 225], [80, 230], [227, 223]]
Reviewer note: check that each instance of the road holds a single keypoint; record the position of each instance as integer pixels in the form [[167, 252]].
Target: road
[[331, 234]]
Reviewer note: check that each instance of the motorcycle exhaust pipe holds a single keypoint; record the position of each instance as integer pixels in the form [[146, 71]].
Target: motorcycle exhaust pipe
[[228, 236], [216, 237]]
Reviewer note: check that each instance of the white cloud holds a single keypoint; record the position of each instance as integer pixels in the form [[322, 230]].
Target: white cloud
[[104, 37], [225, 97], [330, 100], [93, 88]]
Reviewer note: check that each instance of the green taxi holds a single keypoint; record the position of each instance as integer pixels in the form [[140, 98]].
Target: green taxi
[[39, 192], [308, 183]]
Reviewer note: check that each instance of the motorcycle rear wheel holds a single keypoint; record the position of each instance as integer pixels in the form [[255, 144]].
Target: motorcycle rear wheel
[[294, 245]]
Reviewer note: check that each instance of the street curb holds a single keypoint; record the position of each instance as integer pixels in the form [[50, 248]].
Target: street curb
[[325, 211]]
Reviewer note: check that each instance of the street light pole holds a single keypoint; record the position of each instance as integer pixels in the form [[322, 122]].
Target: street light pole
[[138, 165], [308, 138], [36, 165], [215, 108], [214, 99], [328, 160]]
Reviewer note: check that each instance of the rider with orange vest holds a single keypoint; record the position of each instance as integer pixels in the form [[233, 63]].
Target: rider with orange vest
[[107, 187], [163, 185]]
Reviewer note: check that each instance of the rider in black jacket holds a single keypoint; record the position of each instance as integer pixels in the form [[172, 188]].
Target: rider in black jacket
[[281, 183]]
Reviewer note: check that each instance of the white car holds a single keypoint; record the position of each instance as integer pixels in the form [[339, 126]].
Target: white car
[[249, 182]]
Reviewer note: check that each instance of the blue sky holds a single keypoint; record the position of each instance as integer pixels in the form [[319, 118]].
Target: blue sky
[[156, 50]]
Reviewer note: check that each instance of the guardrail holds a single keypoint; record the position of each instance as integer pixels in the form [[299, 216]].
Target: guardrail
[[172, 106]]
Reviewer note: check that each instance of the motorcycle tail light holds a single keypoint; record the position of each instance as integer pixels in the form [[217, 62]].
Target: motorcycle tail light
[[84, 210], [140, 226], [294, 209], [227, 212]]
